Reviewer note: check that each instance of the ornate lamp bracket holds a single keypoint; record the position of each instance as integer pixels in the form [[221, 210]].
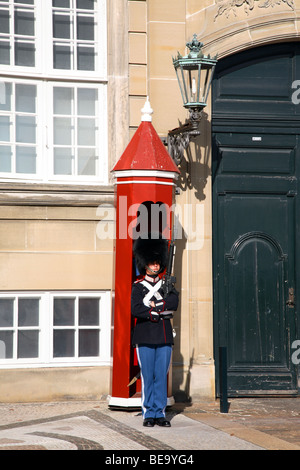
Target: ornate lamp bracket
[[179, 138]]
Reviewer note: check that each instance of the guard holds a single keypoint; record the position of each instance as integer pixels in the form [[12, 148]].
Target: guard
[[153, 334]]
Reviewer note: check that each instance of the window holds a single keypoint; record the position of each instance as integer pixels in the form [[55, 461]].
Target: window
[[75, 130], [53, 110], [74, 32], [19, 328], [76, 327], [73, 40], [79, 326], [18, 128], [17, 33]]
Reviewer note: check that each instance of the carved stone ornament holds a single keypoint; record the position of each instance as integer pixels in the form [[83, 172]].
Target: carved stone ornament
[[228, 6]]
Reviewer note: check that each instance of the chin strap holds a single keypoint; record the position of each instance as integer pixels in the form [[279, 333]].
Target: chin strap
[[153, 272]]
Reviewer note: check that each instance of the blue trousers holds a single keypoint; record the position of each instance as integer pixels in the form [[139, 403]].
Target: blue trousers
[[154, 362]]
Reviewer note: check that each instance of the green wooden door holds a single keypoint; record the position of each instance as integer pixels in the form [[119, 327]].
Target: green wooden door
[[255, 203]]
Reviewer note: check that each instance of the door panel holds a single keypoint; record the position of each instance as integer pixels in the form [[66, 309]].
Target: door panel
[[258, 82], [254, 253], [256, 266]]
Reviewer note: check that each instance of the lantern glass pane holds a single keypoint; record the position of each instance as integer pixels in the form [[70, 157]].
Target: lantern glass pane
[[181, 81], [193, 84], [206, 81]]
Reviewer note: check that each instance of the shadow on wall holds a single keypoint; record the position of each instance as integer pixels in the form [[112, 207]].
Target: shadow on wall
[[194, 174]]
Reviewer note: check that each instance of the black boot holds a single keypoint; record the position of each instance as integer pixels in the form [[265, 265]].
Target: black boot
[[163, 422], [149, 422]]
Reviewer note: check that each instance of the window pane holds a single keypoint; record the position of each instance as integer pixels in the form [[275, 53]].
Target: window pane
[[86, 131], [6, 344], [26, 2], [88, 312], [28, 344], [87, 162], [5, 96], [24, 23], [85, 28], [61, 26], [26, 160], [63, 343], [87, 101], [62, 57], [4, 21], [6, 313], [26, 98], [26, 129], [88, 343], [63, 159], [25, 54], [5, 158], [85, 4], [64, 312], [61, 3], [4, 128], [85, 58], [4, 52], [28, 312], [63, 131], [63, 98]]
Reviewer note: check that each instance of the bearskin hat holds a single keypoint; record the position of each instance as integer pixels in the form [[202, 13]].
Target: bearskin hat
[[149, 248]]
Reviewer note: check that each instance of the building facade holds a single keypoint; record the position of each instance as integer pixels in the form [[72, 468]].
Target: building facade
[[71, 93]]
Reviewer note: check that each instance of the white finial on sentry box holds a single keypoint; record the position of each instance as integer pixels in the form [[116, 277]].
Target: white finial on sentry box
[[147, 111]]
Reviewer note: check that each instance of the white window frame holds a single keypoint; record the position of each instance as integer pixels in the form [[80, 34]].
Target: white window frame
[[44, 43], [15, 328], [101, 175], [40, 136], [45, 77], [100, 42], [46, 326], [15, 68], [45, 133]]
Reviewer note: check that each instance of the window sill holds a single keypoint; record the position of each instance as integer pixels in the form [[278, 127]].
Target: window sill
[[55, 194]]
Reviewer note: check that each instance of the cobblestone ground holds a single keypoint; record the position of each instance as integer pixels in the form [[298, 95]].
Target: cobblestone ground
[[252, 424]]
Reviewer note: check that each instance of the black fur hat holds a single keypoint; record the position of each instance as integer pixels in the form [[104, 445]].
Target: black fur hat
[[149, 248]]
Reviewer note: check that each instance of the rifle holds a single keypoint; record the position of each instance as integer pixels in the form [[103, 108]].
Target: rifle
[[168, 280]]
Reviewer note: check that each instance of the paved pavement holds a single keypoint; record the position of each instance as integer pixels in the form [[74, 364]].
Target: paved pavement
[[250, 424]]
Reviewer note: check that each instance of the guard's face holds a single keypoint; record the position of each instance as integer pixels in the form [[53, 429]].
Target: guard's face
[[153, 268]]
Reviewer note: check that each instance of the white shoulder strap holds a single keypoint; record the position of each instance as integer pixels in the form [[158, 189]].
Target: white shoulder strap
[[152, 291]]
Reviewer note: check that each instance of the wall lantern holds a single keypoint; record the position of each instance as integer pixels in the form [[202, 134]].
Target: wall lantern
[[194, 74]]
